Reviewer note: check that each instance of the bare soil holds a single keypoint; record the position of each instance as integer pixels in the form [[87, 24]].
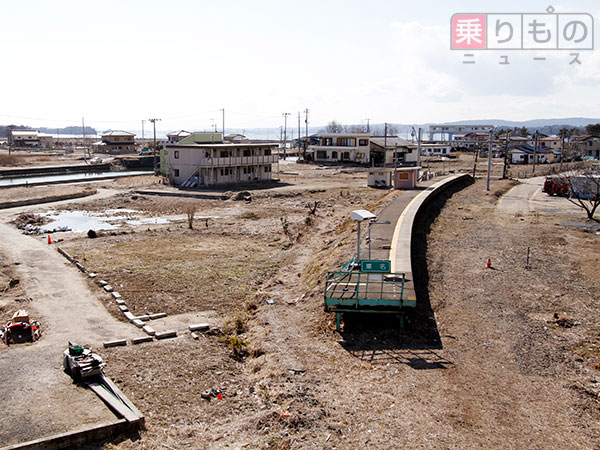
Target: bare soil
[[497, 358], [485, 361]]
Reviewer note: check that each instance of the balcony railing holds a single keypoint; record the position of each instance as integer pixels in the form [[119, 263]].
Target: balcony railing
[[238, 161]]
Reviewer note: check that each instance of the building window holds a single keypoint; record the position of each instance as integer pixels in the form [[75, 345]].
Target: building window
[[175, 172], [246, 152], [346, 142], [334, 155], [321, 154], [176, 154], [363, 142], [346, 156], [267, 152]]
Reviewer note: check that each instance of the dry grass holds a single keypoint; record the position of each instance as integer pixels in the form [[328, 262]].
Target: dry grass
[[177, 272]]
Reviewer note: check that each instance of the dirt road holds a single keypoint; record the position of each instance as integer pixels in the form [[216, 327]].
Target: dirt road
[[528, 197], [40, 397]]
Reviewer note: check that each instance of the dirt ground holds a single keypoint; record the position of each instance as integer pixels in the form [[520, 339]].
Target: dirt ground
[[484, 361], [503, 357]]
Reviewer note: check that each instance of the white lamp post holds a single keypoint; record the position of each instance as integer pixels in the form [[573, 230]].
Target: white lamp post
[[359, 216]]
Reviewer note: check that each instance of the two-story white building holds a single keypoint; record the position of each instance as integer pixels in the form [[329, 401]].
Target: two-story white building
[[25, 138], [341, 148], [204, 159]]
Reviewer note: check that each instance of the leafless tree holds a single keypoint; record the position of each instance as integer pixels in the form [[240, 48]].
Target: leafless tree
[[584, 190], [356, 128], [334, 127], [190, 210]]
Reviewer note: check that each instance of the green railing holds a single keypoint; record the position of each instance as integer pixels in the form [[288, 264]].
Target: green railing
[[356, 290]]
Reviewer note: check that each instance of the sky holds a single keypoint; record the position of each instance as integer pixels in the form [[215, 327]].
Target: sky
[[117, 63]]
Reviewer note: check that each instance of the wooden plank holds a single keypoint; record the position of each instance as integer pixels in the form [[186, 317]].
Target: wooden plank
[[113, 403], [123, 397]]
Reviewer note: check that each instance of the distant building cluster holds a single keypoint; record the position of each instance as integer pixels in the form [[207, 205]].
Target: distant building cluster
[[197, 159]]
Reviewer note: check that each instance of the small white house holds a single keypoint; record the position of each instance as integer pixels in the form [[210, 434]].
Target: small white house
[[434, 149]]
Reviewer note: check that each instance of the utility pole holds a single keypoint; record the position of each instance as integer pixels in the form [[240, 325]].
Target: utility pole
[[384, 138], [83, 135], [155, 150], [299, 141], [535, 147], [10, 138], [223, 110], [306, 131], [285, 116], [562, 148], [368, 129], [475, 161], [504, 175], [489, 165], [419, 137], [143, 130]]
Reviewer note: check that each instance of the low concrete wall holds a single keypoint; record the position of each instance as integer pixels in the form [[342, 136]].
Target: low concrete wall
[[38, 201], [76, 439], [53, 170]]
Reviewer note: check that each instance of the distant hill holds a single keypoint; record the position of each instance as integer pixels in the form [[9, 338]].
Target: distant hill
[[65, 130]]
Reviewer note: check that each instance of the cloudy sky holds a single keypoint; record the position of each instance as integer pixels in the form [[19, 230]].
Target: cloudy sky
[[118, 62]]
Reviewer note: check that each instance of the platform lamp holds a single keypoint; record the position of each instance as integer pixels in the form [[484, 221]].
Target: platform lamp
[[359, 216]]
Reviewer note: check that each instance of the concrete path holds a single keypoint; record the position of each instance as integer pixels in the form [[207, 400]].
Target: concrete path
[[38, 398], [527, 197]]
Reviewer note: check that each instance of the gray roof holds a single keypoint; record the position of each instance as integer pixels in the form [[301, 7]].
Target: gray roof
[[118, 133], [392, 142]]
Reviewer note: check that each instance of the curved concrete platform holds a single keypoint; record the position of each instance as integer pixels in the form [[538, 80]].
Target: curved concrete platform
[[400, 252]]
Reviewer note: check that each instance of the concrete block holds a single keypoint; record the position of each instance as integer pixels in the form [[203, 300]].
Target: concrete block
[[116, 295], [92, 275], [149, 330], [157, 316], [145, 317], [102, 283], [165, 334], [139, 340], [138, 323], [199, 327], [80, 267], [120, 301], [195, 336], [108, 288], [129, 316], [123, 308], [116, 343]]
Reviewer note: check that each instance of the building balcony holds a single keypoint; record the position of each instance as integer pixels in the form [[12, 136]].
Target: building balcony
[[234, 161]]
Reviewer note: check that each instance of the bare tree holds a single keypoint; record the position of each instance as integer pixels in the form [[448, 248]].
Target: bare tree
[[584, 190], [356, 128], [334, 127], [190, 210]]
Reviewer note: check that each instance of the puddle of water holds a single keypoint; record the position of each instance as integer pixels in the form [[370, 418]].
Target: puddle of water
[[22, 181], [83, 221], [156, 220]]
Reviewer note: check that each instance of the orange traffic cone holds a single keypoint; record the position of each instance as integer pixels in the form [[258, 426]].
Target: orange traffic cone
[[49, 240], [488, 265]]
